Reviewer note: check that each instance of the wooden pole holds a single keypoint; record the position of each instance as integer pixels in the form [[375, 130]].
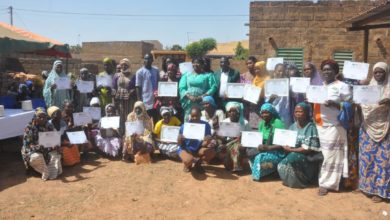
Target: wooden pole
[[365, 45]]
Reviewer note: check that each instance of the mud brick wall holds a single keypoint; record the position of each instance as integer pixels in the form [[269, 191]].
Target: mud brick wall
[[313, 27]]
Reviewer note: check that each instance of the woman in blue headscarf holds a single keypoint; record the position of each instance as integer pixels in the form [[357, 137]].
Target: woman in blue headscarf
[[211, 114], [265, 162], [300, 167], [53, 96]]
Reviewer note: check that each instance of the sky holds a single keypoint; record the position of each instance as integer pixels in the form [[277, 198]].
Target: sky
[[187, 21]]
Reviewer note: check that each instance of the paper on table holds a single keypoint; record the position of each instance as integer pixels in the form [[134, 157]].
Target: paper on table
[[85, 86], [229, 129], [167, 89], [169, 133], [235, 90], [94, 112], [186, 67], [49, 139], [77, 137], [366, 94], [134, 127], [279, 87], [62, 83], [317, 94], [299, 84], [104, 81], [355, 70], [251, 139], [252, 93], [284, 137], [272, 62], [194, 131], [82, 118], [109, 122]]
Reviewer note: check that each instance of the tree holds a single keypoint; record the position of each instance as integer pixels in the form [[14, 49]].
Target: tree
[[75, 49], [176, 47], [200, 48], [241, 53]]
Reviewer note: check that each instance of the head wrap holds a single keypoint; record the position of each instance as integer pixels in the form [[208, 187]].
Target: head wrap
[[45, 73], [269, 108], [333, 64], [51, 110], [144, 117], [84, 70], [56, 63], [306, 108], [22, 87], [260, 64], [315, 79], [381, 65], [94, 101], [239, 108], [107, 60], [171, 67], [39, 111], [109, 106], [164, 110], [127, 62], [29, 83], [210, 100]]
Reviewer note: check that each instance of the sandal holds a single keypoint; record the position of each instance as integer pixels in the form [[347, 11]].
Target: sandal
[[376, 199], [186, 169], [322, 191]]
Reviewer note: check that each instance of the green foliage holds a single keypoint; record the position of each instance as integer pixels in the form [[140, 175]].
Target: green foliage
[[176, 47], [241, 53], [200, 48], [75, 49]]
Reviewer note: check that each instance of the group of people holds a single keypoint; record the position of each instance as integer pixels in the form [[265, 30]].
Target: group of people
[[339, 143]]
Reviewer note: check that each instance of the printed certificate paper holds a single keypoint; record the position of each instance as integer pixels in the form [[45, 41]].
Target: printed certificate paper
[[168, 89], [85, 86], [299, 84], [252, 93], [251, 139], [355, 70], [134, 127], [94, 112], [109, 122], [284, 137], [366, 94], [272, 62], [235, 90], [104, 81], [229, 129], [62, 83], [77, 137], [169, 133], [279, 87], [194, 131], [317, 94], [82, 118], [49, 139], [186, 67]]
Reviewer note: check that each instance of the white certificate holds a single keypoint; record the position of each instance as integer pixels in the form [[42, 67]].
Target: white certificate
[[49, 139], [299, 84], [62, 83], [366, 94], [94, 112], [134, 127], [194, 131], [169, 133], [186, 67], [272, 62], [104, 81], [167, 89], [252, 93], [251, 139], [85, 86], [77, 137], [317, 94], [82, 118], [279, 87], [110, 122], [235, 90], [355, 70], [229, 129], [284, 137]]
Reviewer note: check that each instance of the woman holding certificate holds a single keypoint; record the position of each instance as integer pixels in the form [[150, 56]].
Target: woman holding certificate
[[296, 170], [374, 140], [267, 160], [53, 95], [195, 85], [103, 89], [211, 114], [46, 161], [333, 136]]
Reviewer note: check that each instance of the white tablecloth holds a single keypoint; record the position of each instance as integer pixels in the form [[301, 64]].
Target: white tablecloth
[[14, 122]]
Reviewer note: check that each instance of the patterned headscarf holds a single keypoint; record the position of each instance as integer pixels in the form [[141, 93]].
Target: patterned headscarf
[[51, 110], [127, 62], [239, 108], [210, 100], [39, 111], [109, 106], [165, 109], [269, 108], [144, 117]]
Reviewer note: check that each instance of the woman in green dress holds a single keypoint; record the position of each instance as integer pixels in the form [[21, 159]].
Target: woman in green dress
[[299, 168], [265, 162], [193, 86]]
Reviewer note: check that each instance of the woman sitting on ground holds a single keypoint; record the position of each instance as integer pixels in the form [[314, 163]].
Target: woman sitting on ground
[[211, 114], [140, 147], [300, 167], [46, 161], [166, 148]]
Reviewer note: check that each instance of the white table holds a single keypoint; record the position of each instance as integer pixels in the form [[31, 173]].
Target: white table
[[14, 122]]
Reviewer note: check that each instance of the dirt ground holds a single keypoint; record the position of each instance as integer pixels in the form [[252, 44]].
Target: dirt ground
[[107, 189]]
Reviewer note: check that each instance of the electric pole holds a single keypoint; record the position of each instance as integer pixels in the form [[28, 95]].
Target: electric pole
[[11, 15]]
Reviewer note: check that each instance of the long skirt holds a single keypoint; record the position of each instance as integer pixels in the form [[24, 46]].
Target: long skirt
[[334, 147], [70, 155], [124, 106], [233, 156], [374, 165], [296, 171], [50, 170], [109, 145], [169, 150], [265, 163]]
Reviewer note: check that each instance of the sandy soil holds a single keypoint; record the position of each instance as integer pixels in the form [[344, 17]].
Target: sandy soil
[[106, 189]]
